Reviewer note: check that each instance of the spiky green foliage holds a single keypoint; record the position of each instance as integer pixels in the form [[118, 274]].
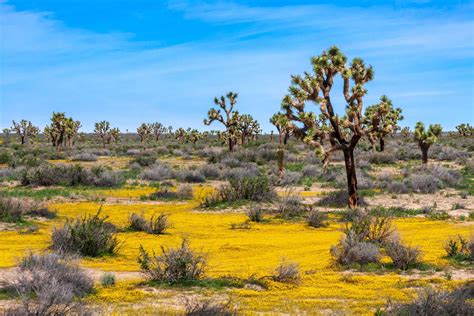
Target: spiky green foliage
[[158, 129], [426, 138], [102, 130], [144, 131], [248, 128], [62, 131], [229, 120], [114, 134], [25, 129], [380, 120], [283, 126], [465, 129]]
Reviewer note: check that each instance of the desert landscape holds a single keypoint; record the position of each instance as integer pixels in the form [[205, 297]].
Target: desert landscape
[[337, 199]]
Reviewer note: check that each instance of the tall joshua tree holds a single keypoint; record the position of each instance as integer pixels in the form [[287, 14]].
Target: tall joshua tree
[[230, 121], [102, 130], [158, 129], [71, 130], [426, 138], [144, 131], [283, 126], [114, 134], [25, 129], [247, 128], [381, 119], [341, 133]]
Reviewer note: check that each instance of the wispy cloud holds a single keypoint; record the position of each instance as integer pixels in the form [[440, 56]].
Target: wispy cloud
[[47, 66]]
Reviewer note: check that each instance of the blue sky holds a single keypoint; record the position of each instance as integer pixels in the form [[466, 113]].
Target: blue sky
[[142, 61]]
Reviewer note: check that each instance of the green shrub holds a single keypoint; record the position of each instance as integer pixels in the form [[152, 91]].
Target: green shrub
[[89, 236], [155, 225], [173, 265]]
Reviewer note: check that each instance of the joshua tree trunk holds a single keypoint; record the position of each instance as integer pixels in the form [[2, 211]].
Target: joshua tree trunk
[[424, 153], [285, 138], [231, 144], [22, 140], [351, 177], [281, 160], [382, 144]]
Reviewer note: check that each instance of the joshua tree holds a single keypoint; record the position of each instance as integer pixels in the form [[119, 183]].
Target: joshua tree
[[465, 129], [192, 136], [247, 127], [340, 132], [102, 130], [231, 118], [405, 132], [114, 134], [271, 137], [381, 119], [6, 133], [25, 130], [158, 129], [71, 129], [426, 138], [283, 126], [180, 134], [144, 131]]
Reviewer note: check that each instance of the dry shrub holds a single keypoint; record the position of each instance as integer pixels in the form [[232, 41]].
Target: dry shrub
[[14, 209], [459, 248], [430, 302], [403, 257], [255, 213], [173, 265], [48, 285], [317, 219], [91, 236], [291, 206], [370, 227], [155, 225], [208, 308], [351, 250], [287, 272]]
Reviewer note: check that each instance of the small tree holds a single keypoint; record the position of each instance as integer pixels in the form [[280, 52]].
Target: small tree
[[231, 118], [25, 129], [283, 126], [180, 134], [248, 128], [426, 138], [192, 136], [115, 134], [6, 133], [465, 129], [381, 119], [405, 132], [158, 129], [341, 132], [102, 130], [71, 130], [144, 131]]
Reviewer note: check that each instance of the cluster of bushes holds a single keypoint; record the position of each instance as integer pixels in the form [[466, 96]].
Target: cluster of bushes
[[183, 192], [15, 209], [421, 179], [49, 285], [70, 175], [154, 225], [251, 189], [431, 302], [460, 248], [364, 238]]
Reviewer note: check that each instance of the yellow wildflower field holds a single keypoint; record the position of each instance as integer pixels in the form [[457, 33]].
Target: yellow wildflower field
[[249, 252]]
